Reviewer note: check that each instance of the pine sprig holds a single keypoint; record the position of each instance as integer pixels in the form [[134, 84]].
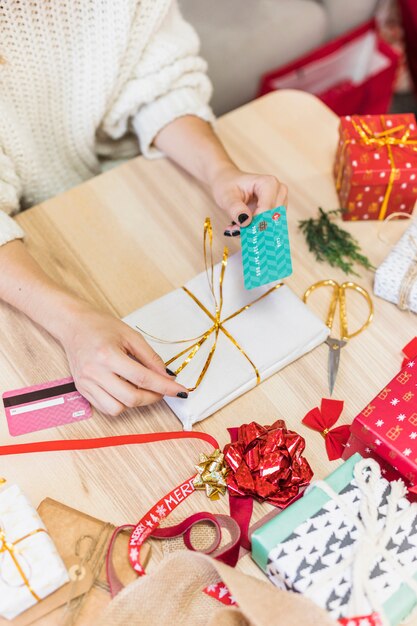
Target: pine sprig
[[330, 243]]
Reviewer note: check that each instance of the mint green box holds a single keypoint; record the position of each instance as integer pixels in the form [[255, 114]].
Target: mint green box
[[268, 536]]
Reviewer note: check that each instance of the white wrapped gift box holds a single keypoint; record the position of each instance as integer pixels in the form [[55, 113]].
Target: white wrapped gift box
[[27, 554], [396, 277], [273, 332], [349, 544]]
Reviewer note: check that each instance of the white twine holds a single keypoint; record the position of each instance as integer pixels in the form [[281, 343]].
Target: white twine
[[372, 540], [409, 279], [410, 276], [382, 225]]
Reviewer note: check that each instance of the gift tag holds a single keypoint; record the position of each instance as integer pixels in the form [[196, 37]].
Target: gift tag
[[266, 255]]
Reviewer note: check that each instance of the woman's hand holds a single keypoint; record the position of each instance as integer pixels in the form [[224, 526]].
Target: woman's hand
[[243, 195], [112, 365], [192, 143]]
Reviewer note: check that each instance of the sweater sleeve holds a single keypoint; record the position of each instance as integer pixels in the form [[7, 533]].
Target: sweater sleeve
[[168, 82], [10, 191]]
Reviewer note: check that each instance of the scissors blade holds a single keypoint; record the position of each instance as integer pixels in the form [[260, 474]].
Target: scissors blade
[[335, 346]]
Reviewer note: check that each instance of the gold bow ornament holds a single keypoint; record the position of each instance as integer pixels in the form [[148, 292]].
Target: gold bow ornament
[[211, 474], [215, 316], [396, 143]]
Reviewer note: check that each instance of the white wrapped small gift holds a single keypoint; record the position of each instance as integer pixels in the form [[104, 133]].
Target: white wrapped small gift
[[252, 345], [396, 277], [30, 566]]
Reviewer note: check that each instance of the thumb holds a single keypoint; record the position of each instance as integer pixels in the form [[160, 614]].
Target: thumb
[[270, 194], [239, 212], [142, 352]]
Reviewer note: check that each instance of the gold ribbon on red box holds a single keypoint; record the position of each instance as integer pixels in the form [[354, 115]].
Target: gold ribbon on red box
[[391, 139]]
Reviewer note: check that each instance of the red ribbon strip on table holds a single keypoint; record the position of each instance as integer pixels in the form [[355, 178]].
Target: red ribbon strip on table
[[322, 420], [61, 445]]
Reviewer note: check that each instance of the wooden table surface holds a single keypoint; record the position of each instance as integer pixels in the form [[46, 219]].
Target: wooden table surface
[[135, 233]]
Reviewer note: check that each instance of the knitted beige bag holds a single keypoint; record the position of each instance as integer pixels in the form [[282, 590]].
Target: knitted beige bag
[[172, 596]]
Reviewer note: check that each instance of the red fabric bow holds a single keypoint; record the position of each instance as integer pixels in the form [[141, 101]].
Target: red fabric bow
[[322, 420]]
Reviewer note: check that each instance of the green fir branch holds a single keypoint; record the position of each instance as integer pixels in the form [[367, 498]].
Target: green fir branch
[[330, 243]]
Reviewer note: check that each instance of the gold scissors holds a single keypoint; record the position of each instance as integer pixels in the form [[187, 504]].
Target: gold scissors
[[339, 296]]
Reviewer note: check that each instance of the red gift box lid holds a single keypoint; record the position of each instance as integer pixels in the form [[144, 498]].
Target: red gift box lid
[[368, 160]]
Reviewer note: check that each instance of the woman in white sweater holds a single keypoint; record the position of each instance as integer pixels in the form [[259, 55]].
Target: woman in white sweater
[[84, 79]]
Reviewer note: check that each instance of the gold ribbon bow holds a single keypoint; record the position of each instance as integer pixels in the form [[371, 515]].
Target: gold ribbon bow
[[217, 326], [7, 547], [385, 138], [211, 476]]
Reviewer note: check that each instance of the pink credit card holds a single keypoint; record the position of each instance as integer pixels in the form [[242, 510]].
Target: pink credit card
[[44, 406]]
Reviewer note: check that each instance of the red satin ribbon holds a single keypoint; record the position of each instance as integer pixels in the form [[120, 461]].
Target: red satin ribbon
[[241, 508], [60, 445], [229, 554], [322, 420]]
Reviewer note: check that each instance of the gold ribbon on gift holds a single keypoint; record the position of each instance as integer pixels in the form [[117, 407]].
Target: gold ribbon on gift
[[385, 138], [217, 326], [9, 547]]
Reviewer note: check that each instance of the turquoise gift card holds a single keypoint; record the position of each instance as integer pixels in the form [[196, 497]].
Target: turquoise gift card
[[266, 255]]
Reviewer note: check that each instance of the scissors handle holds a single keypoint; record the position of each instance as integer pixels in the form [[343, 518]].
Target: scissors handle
[[345, 334], [339, 295], [333, 303]]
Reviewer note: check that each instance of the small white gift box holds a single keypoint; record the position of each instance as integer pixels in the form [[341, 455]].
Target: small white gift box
[[30, 566], [396, 277], [252, 345]]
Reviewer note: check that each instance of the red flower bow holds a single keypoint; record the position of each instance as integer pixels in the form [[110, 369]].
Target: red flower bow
[[266, 463], [322, 420]]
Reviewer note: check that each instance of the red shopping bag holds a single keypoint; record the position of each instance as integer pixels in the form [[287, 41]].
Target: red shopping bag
[[353, 74]]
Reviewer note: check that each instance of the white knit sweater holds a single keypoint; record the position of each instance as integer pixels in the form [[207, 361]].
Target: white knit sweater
[[80, 79]]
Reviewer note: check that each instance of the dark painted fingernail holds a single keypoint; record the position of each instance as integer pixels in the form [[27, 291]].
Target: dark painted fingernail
[[182, 394], [170, 372], [233, 223], [243, 217], [235, 233], [227, 233]]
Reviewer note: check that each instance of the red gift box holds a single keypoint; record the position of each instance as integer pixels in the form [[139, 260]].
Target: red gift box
[[367, 451], [388, 425], [376, 165]]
